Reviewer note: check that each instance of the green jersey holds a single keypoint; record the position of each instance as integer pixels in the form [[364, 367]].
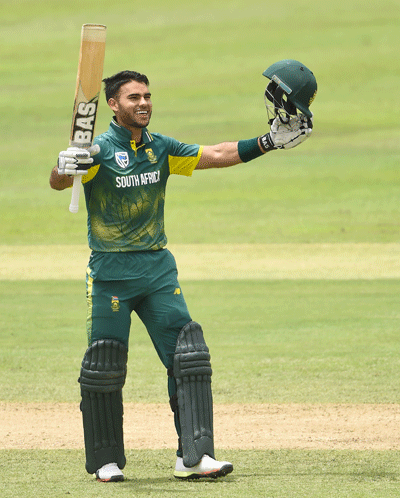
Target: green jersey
[[125, 190]]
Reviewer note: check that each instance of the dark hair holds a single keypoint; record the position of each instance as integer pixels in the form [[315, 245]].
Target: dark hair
[[114, 83]]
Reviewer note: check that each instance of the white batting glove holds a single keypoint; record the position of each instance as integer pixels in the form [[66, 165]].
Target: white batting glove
[[76, 161], [290, 134]]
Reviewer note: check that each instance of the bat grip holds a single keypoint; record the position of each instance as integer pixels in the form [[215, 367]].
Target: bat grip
[[76, 189]]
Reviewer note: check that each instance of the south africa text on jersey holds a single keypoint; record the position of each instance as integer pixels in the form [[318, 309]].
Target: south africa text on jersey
[[137, 180]]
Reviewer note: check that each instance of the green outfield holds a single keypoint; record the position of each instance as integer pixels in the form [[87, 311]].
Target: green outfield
[[315, 341], [290, 263]]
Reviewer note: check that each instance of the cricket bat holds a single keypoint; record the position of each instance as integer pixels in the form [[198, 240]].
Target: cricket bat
[[88, 86]]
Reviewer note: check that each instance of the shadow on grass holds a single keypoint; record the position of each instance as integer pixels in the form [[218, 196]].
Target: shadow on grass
[[159, 485]]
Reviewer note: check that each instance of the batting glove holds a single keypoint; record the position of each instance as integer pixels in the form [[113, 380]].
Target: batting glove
[[76, 161], [286, 135], [290, 134]]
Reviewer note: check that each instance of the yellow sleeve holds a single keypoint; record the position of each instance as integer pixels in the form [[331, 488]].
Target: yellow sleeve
[[184, 165], [92, 172]]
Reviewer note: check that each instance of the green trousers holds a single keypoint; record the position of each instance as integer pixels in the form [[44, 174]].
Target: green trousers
[[144, 282]]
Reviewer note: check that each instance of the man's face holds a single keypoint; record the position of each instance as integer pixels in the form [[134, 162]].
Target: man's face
[[132, 105]]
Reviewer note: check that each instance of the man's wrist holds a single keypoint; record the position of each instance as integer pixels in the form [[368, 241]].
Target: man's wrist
[[255, 147], [249, 149], [266, 143]]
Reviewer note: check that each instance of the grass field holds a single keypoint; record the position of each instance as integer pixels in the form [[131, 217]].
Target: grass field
[[299, 341], [301, 302], [273, 474]]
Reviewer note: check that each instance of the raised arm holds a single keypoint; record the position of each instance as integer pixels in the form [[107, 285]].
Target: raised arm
[[220, 156], [283, 135]]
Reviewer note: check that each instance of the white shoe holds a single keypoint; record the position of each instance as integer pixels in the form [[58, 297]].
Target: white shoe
[[109, 473], [207, 467]]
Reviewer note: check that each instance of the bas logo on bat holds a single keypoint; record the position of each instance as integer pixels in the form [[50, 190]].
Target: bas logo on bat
[[85, 118]]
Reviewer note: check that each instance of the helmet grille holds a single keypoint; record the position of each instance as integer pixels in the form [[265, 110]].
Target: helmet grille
[[279, 98]]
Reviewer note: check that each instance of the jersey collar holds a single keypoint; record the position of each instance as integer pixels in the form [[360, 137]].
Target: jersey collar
[[124, 135]]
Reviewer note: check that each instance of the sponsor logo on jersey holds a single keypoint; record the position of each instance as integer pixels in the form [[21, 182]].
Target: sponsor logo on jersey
[[122, 159], [115, 303]]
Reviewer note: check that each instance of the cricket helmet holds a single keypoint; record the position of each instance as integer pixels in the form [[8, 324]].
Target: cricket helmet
[[293, 86]]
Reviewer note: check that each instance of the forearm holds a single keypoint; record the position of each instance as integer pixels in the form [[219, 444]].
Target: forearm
[[59, 182], [224, 155]]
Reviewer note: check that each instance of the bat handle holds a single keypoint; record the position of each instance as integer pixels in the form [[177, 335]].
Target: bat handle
[[76, 189]]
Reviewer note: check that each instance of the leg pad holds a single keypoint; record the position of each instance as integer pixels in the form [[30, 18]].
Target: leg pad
[[102, 378], [192, 371]]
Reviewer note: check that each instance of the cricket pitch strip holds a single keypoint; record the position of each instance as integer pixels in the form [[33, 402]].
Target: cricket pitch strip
[[236, 426]]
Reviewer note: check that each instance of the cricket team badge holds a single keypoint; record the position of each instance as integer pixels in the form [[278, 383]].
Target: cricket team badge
[[122, 159], [151, 156]]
